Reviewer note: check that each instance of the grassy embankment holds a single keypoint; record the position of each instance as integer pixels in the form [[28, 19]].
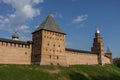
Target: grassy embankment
[[78, 72]]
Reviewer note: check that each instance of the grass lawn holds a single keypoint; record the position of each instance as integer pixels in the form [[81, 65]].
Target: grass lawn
[[76, 72]]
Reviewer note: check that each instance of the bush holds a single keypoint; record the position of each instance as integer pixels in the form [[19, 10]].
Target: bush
[[116, 61]]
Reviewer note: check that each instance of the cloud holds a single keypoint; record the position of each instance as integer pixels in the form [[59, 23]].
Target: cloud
[[23, 28], [24, 10], [38, 1], [80, 18], [24, 38], [3, 20], [29, 12]]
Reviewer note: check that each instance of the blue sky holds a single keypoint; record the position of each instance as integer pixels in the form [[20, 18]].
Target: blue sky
[[77, 18]]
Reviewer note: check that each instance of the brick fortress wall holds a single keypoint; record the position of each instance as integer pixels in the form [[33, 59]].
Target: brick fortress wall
[[48, 48], [80, 57], [76, 57], [13, 53], [107, 60]]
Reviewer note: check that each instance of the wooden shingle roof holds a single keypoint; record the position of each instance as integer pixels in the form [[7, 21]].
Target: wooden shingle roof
[[49, 24]]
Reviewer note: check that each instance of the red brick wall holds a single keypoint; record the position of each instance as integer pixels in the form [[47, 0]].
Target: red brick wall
[[107, 60], [11, 53], [74, 58]]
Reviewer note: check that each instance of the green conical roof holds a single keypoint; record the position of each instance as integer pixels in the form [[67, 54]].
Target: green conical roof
[[49, 24], [15, 35]]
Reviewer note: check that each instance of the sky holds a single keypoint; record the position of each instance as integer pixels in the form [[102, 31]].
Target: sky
[[77, 18]]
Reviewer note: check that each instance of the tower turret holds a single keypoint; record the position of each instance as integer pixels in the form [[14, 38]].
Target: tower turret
[[109, 54], [49, 43], [98, 47], [15, 36]]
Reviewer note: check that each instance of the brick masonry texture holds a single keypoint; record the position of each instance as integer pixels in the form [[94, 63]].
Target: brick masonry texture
[[11, 53]]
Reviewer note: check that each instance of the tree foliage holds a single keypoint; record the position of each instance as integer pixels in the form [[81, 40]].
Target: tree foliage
[[116, 61]]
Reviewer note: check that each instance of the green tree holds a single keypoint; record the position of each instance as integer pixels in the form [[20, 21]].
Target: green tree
[[116, 61]]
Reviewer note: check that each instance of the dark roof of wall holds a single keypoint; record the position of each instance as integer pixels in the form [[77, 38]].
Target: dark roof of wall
[[49, 24], [107, 56], [81, 51], [15, 41]]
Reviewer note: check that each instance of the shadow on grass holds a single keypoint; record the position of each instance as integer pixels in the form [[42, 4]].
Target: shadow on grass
[[77, 76], [110, 77]]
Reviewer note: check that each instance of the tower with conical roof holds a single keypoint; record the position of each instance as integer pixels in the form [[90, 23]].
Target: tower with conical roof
[[109, 54], [98, 47], [15, 36], [49, 43]]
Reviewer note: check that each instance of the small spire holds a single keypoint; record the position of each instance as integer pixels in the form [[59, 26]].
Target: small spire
[[97, 30], [51, 14], [108, 50]]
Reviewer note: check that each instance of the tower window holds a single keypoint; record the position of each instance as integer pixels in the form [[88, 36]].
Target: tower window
[[25, 46], [25, 53], [29, 46], [48, 44], [57, 57], [15, 45], [60, 51], [58, 45], [10, 44], [51, 63], [22, 45], [58, 64], [50, 56], [2, 43]]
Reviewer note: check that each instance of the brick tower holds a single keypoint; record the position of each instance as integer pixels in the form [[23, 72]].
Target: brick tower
[[109, 55], [49, 44], [98, 47]]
